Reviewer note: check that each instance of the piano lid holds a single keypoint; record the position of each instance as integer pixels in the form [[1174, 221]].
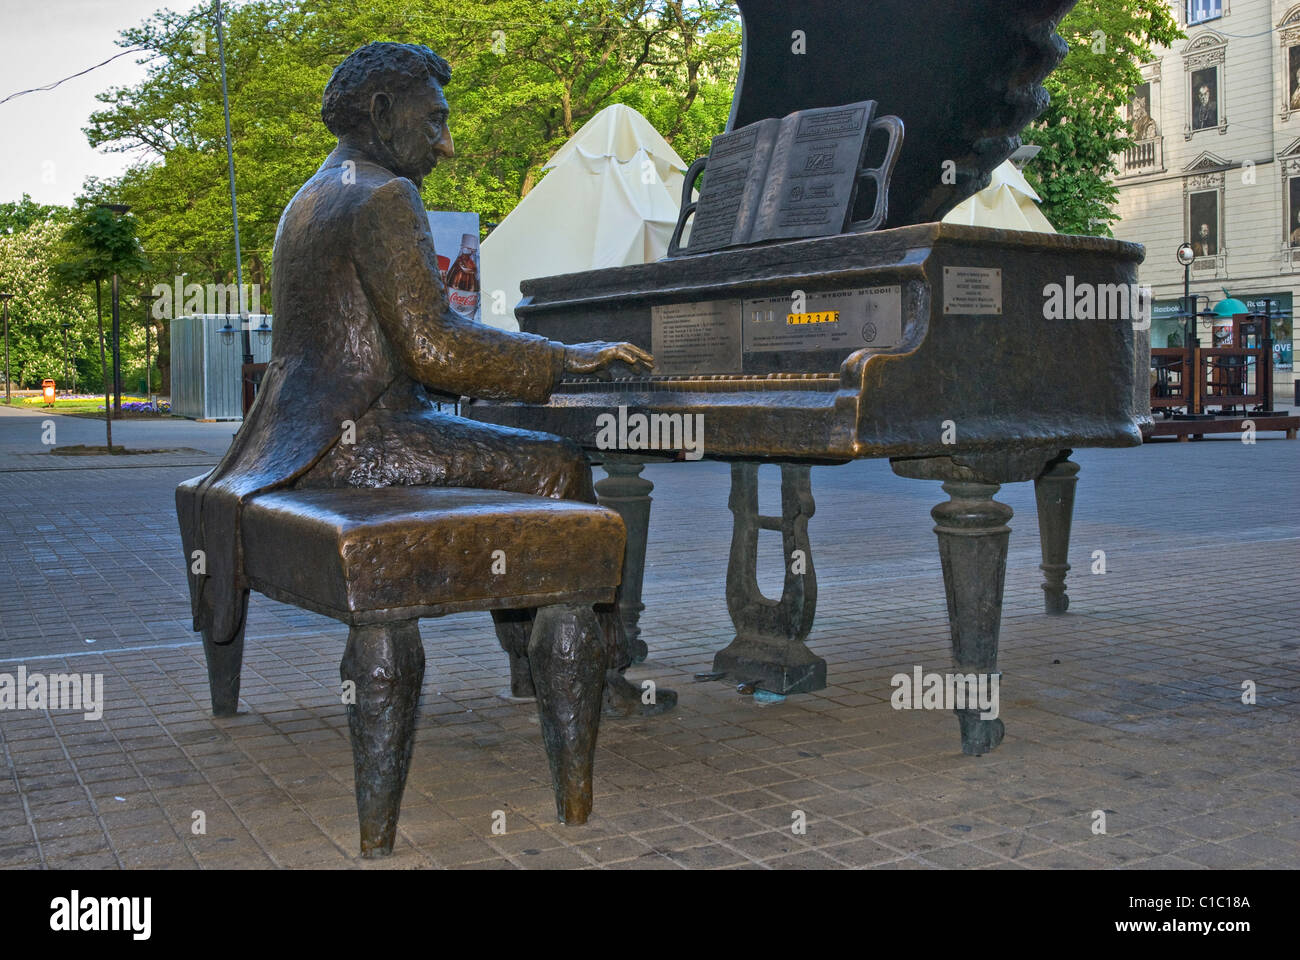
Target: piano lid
[[965, 77]]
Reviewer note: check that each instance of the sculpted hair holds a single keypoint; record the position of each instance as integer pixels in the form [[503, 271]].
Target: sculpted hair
[[376, 68]]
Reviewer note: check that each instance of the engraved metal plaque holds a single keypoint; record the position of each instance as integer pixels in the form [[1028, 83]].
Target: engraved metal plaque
[[696, 338], [845, 320], [976, 291]]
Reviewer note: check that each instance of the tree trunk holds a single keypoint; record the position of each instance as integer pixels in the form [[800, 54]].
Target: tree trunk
[[103, 366], [165, 357]]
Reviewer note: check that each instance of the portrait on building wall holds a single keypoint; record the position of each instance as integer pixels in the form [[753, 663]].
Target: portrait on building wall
[[1293, 208], [1203, 218], [1293, 75], [1205, 98], [1140, 120]]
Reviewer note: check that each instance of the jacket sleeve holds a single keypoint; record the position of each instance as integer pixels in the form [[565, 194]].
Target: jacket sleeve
[[399, 272]]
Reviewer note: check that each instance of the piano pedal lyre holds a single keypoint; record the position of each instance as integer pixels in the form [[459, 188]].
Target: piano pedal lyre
[[769, 646]]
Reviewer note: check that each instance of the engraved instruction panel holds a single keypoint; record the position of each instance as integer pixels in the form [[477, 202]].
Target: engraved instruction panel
[[696, 338], [838, 319]]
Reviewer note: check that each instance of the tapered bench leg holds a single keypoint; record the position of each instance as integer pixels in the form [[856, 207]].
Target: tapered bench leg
[[225, 661], [514, 628], [385, 662], [568, 655]]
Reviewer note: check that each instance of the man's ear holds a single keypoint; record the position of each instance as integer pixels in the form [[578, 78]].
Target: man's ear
[[381, 115]]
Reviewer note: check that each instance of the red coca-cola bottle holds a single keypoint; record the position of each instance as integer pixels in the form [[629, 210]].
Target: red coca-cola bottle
[[462, 279]]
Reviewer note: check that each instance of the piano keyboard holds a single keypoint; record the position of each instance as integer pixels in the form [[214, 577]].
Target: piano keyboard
[[710, 383]]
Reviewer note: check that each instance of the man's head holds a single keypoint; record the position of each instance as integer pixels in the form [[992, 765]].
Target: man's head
[[1203, 94], [1205, 230], [1139, 107], [386, 98]]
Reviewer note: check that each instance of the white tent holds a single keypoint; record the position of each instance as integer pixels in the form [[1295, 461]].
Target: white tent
[[610, 198], [1008, 202]]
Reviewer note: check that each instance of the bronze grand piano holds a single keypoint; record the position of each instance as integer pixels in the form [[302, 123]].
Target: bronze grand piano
[[940, 357], [970, 356]]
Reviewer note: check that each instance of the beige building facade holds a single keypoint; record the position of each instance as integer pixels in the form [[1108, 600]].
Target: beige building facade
[[1217, 164]]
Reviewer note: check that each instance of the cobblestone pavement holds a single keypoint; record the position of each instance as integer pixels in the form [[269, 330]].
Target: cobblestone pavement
[[1130, 705]]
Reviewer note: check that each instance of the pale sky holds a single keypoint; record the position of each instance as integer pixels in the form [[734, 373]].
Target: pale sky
[[42, 149]]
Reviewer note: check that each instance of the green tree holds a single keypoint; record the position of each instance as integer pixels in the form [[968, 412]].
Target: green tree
[[40, 306], [98, 245], [1084, 129], [15, 217], [526, 77]]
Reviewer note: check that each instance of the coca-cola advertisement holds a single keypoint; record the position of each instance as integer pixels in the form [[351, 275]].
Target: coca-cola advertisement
[[455, 238]]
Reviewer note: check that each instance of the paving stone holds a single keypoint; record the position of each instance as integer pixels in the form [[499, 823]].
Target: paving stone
[[1129, 704]]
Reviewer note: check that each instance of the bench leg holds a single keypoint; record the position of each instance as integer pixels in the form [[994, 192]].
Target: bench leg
[[386, 663], [514, 627], [568, 656], [225, 661]]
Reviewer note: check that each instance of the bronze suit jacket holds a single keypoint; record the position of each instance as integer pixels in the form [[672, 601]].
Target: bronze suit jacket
[[359, 308]]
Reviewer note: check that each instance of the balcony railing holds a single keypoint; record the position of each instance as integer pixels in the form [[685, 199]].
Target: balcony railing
[[1143, 156]]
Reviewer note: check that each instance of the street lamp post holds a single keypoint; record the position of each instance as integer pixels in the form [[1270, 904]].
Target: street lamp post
[[234, 203], [118, 208], [1185, 257], [5, 298]]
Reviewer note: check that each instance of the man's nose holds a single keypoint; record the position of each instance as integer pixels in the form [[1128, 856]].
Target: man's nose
[[444, 147]]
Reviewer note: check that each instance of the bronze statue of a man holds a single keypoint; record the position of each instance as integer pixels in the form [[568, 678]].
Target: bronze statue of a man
[[364, 338]]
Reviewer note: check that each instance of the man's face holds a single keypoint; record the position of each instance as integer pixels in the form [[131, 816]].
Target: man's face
[[1203, 94], [1140, 108], [419, 130], [1205, 231]]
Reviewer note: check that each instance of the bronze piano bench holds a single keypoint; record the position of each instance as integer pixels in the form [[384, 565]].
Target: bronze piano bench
[[380, 559]]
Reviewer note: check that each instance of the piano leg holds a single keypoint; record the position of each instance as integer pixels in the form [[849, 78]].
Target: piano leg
[[627, 493], [1054, 490], [973, 536], [769, 646]]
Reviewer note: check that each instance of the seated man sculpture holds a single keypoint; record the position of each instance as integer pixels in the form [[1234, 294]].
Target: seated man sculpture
[[364, 338]]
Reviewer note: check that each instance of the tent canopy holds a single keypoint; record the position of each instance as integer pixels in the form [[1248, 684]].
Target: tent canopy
[[610, 198], [1008, 202]]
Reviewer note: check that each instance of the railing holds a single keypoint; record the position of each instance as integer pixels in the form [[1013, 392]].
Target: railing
[[1170, 387], [1143, 155], [1229, 376], [1226, 377]]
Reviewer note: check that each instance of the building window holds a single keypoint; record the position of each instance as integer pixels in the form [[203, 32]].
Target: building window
[[1140, 120], [1203, 216], [1289, 168], [1293, 210], [1207, 109], [1146, 155], [1205, 98], [1289, 37], [1201, 11]]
